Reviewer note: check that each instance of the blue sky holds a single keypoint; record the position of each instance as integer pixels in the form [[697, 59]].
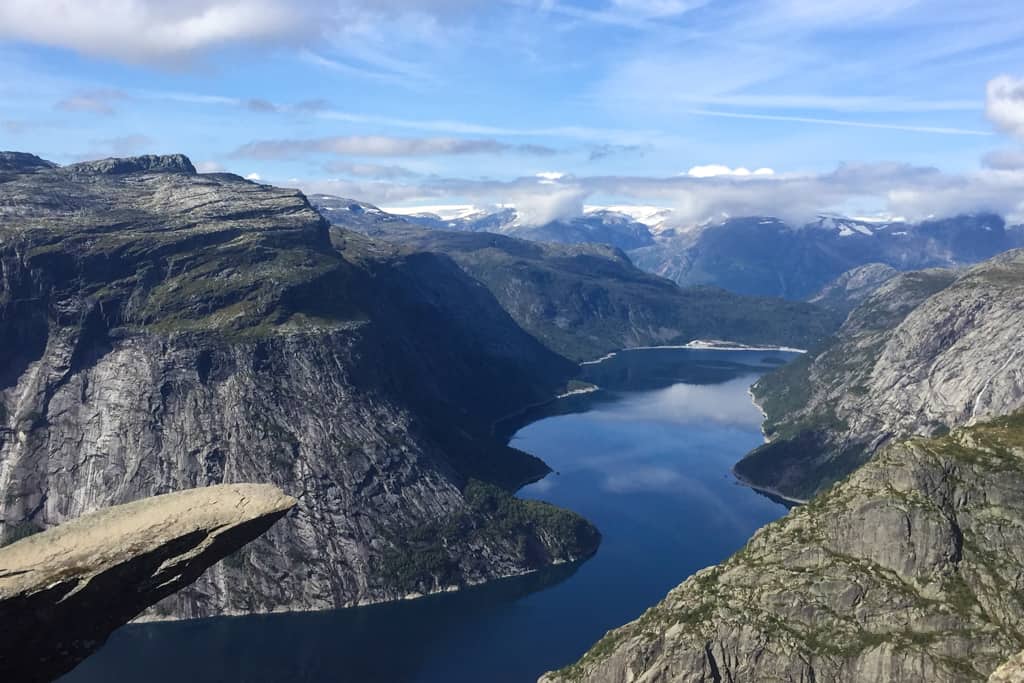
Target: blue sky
[[907, 106]]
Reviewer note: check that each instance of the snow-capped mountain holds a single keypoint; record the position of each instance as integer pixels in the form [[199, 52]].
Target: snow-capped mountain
[[597, 224], [758, 255], [765, 256]]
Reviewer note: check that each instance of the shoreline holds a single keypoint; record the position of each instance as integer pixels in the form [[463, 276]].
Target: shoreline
[[768, 490], [697, 345], [576, 392], [764, 415]]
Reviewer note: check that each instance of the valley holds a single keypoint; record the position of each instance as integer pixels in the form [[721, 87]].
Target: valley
[[530, 341], [646, 458], [482, 430]]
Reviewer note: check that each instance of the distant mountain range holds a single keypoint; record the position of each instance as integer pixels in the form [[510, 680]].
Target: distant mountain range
[[597, 225], [585, 300], [759, 256], [907, 429]]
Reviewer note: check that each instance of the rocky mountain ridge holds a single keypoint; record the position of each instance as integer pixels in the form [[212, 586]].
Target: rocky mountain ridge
[[586, 300], [163, 329], [907, 571], [765, 256], [906, 432], [752, 255], [926, 352]]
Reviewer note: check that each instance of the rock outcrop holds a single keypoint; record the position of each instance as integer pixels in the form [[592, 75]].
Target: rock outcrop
[[926, 352], [851, 288], [909, 570], [1011, 671], [162, 329], [64, 590]]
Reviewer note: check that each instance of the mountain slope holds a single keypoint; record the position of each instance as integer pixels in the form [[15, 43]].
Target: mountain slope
[[163, 329], [851, 288], [766, 257], [594, 226], [927, 352], [754, 255], [586, 300], [907, 571]]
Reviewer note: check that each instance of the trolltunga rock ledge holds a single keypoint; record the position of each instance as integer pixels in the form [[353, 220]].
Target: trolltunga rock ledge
[[63, 591]]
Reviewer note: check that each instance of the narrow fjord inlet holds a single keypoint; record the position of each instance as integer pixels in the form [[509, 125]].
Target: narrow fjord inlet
[[529, 341], [647, 458]]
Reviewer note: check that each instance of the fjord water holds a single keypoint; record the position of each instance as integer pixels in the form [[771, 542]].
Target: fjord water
[[647, 459]]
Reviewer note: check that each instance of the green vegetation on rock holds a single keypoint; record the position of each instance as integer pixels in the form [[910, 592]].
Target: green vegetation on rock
[[909, 569], [585, 300]]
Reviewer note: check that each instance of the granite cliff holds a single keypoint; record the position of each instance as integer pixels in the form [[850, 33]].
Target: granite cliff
[[909, 570], [907, 435], [162, 329], [926, 352], [63, 591]]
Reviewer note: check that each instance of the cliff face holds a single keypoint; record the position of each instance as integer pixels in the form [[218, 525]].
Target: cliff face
[[163, 329], [1011, 671], [909, 570], [926, 352], [851, 288], [586, 300], [63, 591]]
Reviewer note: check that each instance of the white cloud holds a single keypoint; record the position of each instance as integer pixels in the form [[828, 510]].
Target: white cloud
[[863, 189], [255, 177], [162, 31], [712, 170], [155, 30], [1004, 104], [549, 177], [557, 203]]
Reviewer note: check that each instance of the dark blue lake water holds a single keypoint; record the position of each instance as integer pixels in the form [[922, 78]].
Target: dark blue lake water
[[647, 459]]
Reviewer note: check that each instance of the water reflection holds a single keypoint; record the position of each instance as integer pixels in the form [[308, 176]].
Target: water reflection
[[647, 460], [391, 642]]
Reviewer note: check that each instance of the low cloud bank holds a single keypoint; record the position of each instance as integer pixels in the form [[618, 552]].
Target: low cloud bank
[[898, 189]]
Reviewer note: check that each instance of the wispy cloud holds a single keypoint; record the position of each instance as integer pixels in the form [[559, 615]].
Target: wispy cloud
[[92, 102], [374, 171], [381, 146], [839, 103], [640, 15], [361, 72], [938, 130], [604, 151]]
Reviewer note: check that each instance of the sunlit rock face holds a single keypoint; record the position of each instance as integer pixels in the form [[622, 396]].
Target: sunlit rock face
[[1012, 671], [162, 329], [909, 570], [63, 591], [926, 352]]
